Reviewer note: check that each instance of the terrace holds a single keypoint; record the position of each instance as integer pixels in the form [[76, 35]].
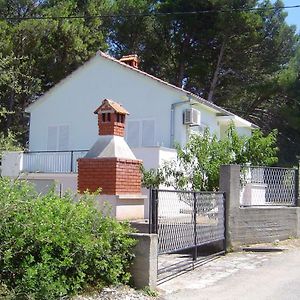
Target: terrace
[[65, 162]]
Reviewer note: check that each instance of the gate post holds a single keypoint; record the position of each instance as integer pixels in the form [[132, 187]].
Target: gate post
[[297, 183], [230, 184], [153, 211]]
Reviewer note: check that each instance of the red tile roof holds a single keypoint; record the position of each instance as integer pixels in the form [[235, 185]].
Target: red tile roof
[[114, 105]]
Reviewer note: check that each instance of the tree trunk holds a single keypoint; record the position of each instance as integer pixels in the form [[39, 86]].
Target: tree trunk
[[216, 73], [9, 116], [181, 68]]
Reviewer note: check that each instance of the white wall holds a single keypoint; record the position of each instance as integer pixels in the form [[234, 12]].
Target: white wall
[[153, 157], [73, 101], [244, 131], [11, 163]]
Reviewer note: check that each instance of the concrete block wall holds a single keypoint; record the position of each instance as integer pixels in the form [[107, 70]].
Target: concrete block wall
[[249, 225], [144, 267], [257, 225]]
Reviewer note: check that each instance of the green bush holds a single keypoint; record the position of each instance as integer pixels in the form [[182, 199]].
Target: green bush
[[51, 246], [198, 164]]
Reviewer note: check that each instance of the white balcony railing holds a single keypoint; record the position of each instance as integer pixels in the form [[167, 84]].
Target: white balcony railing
[[14, 163], [51, 161]]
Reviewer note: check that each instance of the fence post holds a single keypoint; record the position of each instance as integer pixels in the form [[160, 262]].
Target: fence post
[[195, 226], [230, 184], [72, 157], [224, 222]]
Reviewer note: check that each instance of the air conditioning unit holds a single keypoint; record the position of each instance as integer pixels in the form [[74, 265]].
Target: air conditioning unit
[[192, 116]]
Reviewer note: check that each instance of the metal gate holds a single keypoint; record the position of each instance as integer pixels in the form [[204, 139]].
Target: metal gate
[[185, 221]]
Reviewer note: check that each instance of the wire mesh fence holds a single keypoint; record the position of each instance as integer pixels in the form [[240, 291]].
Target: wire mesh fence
[[269, 186], [185, 220]]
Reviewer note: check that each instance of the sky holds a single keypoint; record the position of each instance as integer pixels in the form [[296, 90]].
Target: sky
[[293, 17]]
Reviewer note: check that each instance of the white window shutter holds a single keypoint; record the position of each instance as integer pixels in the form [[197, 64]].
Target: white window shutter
[[63, 138], [148, 130], [133, 133], [52, 138]]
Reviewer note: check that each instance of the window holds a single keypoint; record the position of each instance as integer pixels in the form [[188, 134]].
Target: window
[[133, 133], [147, 133], [52, 138], [63, 137], [105, 117], [58, 138], [140, 133], [120, 118]]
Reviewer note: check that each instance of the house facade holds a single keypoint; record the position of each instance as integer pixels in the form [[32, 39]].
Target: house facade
[[63, 128], [61, 119]]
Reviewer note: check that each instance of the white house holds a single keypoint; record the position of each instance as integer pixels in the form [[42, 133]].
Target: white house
[[63, 126]]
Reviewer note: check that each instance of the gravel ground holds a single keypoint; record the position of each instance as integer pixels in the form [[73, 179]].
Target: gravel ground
[[116, 293]]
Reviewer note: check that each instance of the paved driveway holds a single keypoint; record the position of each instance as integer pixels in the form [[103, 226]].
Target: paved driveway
[[242, 275]]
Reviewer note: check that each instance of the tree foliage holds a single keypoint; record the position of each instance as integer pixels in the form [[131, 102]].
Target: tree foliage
[[36, 54], [246, 61], [234, 59], [198, 164]]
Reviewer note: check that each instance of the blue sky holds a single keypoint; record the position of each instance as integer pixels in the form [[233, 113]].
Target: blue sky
[[293, 13]]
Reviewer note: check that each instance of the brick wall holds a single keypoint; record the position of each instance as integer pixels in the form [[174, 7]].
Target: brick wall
[[115, 176], [110, 128]]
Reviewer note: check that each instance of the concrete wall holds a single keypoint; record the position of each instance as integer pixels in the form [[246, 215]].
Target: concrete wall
[[248, 225], [63, 182], [144, 268], [256, 225], [122, 207], [153, 157], [11, 164]]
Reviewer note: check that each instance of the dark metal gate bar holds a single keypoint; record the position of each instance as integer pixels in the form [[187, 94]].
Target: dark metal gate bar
[[184, 221]]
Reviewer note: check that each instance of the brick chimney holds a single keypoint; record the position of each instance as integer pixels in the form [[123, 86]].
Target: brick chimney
[[111, 118], [110, 163], [131, 60]]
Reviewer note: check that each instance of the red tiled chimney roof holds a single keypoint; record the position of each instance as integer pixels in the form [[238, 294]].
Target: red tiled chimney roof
[[131, 60], [106, 104], [111, 118]]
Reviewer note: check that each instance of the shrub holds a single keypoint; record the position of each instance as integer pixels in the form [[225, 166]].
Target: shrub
[[51, 246]]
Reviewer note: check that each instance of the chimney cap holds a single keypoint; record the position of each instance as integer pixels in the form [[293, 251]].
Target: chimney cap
[[129, 57], [107, 104], [131, 60]]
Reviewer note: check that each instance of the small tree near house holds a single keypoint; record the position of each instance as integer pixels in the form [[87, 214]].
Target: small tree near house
[[198, 163]]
